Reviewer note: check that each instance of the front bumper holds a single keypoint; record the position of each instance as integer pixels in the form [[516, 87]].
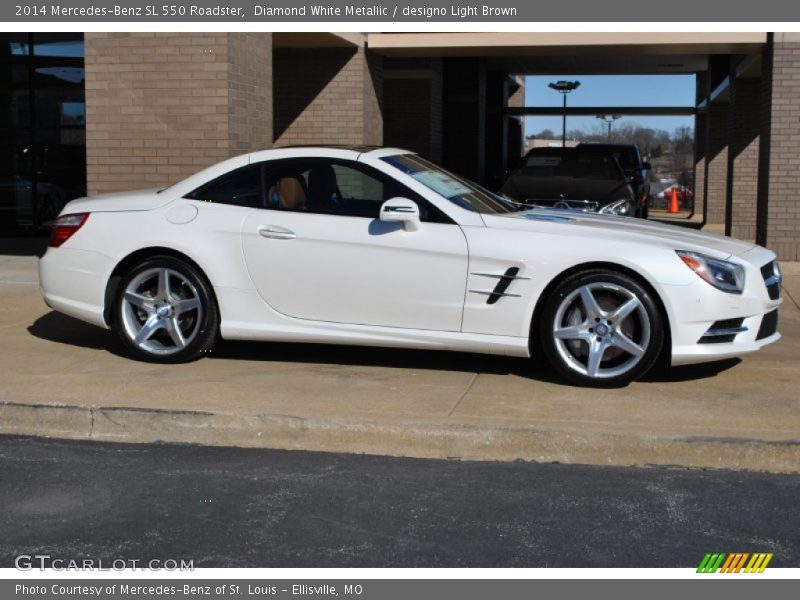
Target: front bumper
[[698, 309], [745, 343]]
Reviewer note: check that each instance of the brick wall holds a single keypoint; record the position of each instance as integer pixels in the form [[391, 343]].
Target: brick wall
[[249, 92], [743, 152], [159, 106], [717, 164], [765, 142], [779, 221], [327, 96], [700, 142], [413, 105]]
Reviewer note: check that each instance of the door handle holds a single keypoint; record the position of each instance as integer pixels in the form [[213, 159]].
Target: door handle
[[274, 232]]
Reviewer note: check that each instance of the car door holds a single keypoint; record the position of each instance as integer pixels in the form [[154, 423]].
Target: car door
[[318, 251]]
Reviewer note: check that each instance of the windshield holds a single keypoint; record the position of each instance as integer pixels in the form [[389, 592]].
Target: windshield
[[627, 156], [457, 190], [571, 162]]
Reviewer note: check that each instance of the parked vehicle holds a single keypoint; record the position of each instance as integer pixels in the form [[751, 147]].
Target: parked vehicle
[[571, 178], [635, 168], [20, 207], [380, 247]]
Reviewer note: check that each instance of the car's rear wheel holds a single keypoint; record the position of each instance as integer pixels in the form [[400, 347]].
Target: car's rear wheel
[[601, 329], [165, 311]]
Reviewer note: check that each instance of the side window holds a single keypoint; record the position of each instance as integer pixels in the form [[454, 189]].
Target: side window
[[337, 187], [241, 187]]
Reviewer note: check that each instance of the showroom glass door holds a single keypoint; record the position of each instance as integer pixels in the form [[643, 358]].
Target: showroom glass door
[[42, 127]]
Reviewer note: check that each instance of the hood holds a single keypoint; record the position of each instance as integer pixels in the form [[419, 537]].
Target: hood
[[121, 201], [546, 189], [622, 229]]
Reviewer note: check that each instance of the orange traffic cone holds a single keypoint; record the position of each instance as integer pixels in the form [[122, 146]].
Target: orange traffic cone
[[673, 201]]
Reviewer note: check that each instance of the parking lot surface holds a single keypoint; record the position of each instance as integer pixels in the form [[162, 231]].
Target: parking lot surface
[[64, 378], [234, 507]]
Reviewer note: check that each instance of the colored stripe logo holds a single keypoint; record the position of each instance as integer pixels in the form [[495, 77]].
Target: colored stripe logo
[[738, 562]]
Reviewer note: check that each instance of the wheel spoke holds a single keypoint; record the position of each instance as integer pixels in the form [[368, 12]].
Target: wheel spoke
[[163, 284], [182, 306], [139, 301], [593, 309], [161, 311], [174, 331], [596, 351], [150, 326], [623, 342], [623, 311], [573, 332]]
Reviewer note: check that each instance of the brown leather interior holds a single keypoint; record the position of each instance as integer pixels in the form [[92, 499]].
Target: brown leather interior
[[290, 192]]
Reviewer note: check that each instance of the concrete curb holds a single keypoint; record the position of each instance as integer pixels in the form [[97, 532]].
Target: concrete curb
[[430, 439]]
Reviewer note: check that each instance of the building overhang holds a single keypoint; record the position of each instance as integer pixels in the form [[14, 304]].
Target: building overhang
[[523, 43], [322, 39]]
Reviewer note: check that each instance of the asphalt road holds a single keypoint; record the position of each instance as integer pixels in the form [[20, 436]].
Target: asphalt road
[[227, 507]]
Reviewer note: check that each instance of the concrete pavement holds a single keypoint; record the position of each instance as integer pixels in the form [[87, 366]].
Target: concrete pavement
[[63, 378]]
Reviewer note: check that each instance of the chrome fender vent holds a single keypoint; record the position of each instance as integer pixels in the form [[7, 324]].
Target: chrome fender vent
[[503, 282]]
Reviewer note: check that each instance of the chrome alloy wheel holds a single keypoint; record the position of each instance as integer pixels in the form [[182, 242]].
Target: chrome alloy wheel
[[161, 311], [601, 330]]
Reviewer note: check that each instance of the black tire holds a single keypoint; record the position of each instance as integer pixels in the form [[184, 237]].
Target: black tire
[[575, 357], [198, 327]]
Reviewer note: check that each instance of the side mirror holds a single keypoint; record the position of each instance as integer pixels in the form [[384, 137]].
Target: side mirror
[[401, 210], [647, 166]]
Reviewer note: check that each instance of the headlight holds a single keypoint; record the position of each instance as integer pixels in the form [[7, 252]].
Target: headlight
[[722, 274], [619, 207]]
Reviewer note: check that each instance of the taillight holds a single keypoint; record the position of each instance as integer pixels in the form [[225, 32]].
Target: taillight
[[65, 227]]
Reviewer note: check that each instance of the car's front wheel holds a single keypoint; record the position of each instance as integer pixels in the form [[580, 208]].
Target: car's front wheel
[[165, 311], [601, 329]]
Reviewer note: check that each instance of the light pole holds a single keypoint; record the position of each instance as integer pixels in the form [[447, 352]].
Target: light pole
[[609, 119], [564, 88]]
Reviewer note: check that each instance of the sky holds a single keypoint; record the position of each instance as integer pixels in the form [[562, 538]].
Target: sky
[[611, 90]]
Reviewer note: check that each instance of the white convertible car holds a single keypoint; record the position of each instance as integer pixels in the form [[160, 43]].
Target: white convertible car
[[380, 247]]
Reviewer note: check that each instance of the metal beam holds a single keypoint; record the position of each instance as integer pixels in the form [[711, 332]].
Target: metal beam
[[578, 111]]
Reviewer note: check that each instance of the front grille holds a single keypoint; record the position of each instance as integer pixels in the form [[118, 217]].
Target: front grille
[[772, 279], [723, 331], [769, 325]]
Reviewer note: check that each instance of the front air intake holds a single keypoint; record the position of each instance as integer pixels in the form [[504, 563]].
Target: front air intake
[[723, 332]]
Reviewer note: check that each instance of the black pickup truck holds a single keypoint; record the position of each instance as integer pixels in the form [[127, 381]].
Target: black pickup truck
[[580, 178], [635, 168]]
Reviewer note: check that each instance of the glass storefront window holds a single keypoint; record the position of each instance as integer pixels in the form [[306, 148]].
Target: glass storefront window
[[42, 127]]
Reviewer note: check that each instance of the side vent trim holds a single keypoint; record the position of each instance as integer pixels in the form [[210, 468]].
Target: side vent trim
[[499, 291]]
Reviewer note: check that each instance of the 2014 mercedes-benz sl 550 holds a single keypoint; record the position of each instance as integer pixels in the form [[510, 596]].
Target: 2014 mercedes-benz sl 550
[[381, 247]]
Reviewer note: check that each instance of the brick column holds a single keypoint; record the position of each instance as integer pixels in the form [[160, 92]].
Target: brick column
[[779, 176], [716, 164], [700, 143], [516, 134], [465, 117], [161, 106], [412, 105], [249, 92], [497, 91], [328, 96], [745, 124]]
